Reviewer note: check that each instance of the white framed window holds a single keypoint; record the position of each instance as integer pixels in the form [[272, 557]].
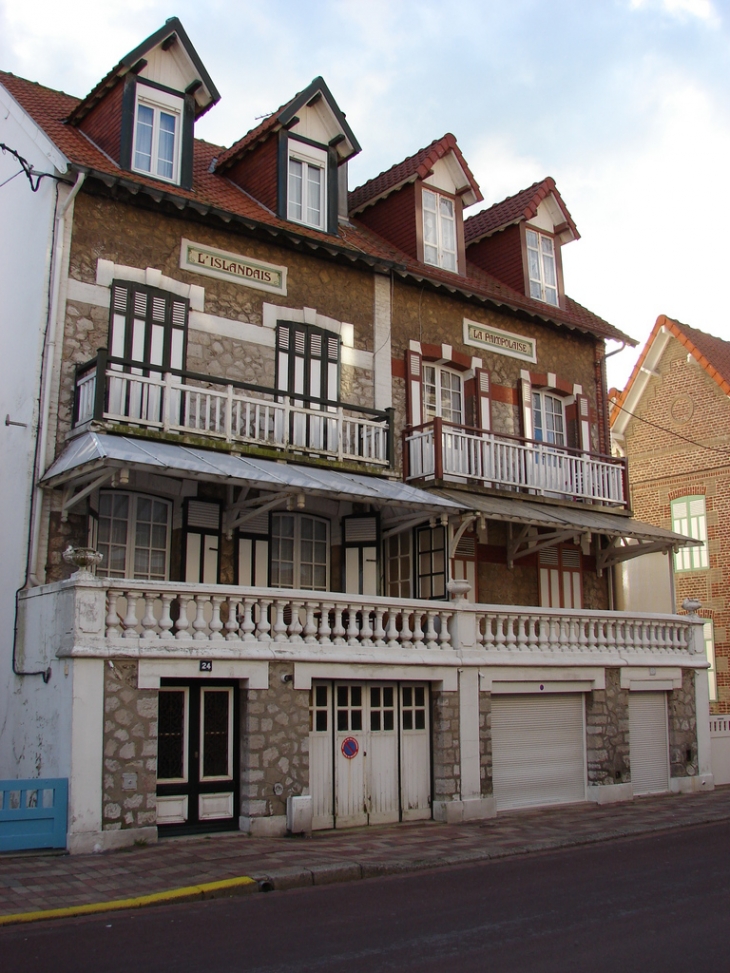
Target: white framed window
[[541, 267], [134, 536], [443, 394], [689, 517], [299, 552], [157, 133], [398, 565], [709, 637], [431, 563], [439, 231], [307, 185], [548, 418]]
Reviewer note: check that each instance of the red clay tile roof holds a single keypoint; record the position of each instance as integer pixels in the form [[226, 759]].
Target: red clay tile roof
[[712, 353], [214, 192], [415, 166], [521, 206]]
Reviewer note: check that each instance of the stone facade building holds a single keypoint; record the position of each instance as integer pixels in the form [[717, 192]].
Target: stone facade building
[[321, 520], [672, 422]]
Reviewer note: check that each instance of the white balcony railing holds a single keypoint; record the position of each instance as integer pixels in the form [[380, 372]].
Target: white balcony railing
[[110, 390], [439, 450], [174, 614]]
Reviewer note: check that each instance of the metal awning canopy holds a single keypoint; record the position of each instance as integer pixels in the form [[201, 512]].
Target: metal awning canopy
[[628, 538], [93, 458]]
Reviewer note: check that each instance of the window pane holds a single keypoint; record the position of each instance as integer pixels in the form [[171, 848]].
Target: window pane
[[166, 146], [314, 195], [143, 141], [216, 742], [430, 233], [532, 239], [295, 189]]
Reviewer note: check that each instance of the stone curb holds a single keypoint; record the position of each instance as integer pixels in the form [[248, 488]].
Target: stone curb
[[328, 873]]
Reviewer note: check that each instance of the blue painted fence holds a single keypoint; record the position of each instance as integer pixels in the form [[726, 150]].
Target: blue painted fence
[[33, 813]]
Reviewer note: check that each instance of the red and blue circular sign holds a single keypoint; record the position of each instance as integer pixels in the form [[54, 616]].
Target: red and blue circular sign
[[350, 748]]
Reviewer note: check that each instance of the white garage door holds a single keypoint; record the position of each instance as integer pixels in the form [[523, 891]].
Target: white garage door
[[649, 744], [538, 750]]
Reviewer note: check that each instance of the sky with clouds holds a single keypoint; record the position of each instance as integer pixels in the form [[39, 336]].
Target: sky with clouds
[[623, 102]]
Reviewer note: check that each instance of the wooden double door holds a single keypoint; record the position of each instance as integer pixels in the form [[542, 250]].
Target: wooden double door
[[197, 756]]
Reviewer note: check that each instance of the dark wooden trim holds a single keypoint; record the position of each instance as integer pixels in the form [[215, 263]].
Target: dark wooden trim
[[282, 174], [161, 87], [419, 221], [187, 136], [129, 100], [332, 180]]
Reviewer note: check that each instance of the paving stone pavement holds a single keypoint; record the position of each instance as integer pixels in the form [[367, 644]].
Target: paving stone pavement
[[39, 881]]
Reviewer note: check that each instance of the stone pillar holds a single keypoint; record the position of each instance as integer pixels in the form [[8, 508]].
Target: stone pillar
[[607, 742], [274, 751], [485, 744], [473, 805], [446, 756], [704, 743]]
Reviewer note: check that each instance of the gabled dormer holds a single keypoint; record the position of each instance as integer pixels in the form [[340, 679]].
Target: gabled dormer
[[295, 161], [519, 240], [418, 204], [143, 112]]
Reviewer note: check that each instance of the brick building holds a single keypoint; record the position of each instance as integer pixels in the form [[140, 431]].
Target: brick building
[[672, 422], [333, 470]]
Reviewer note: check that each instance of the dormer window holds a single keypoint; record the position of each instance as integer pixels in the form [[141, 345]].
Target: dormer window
[[541, 267], [157, 131], [439, 231], [307, 188]]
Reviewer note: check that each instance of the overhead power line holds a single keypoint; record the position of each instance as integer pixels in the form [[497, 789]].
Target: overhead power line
[[34, 178], [671, 432]]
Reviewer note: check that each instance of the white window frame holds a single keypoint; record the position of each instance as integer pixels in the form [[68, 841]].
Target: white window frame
[[438, 372], [444, 254], [692, 522], [708, 633], [310, 157], [228, 690], [158, 101], [540, 288], [134, 498], [186, 734], [543, 396], [297, 550]]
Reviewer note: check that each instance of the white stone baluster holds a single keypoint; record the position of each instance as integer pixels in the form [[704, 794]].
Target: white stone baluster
[[325, 632], [280, 627], [510, 640], [232, 625], [112, 618], [543, 633], [166, 622], [310, 628], [379, 631], [200, 625], [522, 622], [366, 629], [130, 619], [216, 625], [149, 622], [391, 631], [405, 630], [352, 630], [532, 624], [444, 634], [418, 631], [338, 629], [295, 626], [182, 624], [431, 633], [263, 626]]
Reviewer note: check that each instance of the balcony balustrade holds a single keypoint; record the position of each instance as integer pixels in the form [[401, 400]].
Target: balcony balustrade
[[111, 614], [114, 390], [442, 451]]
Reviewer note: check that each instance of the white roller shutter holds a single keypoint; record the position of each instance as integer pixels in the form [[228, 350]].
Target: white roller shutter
[[538, 750], [649, 743]]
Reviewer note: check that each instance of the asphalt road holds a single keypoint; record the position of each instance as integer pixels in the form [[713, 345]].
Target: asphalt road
[[660, 903]]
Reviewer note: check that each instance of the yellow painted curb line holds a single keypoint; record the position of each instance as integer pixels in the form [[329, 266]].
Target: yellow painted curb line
[[156, 898]]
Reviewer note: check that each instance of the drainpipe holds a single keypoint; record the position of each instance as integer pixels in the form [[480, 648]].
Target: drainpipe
[[46, 376]]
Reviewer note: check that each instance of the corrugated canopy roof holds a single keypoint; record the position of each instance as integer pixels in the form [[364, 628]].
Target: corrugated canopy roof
[[92, 453]]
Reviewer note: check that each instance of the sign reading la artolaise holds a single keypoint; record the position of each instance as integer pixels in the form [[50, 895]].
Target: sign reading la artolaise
[[232, 266], [501, 342]]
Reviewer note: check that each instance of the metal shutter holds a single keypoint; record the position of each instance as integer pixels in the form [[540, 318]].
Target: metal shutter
[[538, 750], [648, 742]]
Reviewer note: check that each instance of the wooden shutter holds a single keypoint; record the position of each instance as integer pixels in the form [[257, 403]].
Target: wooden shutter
[[483, 389], [360, 551], [583, 422], [414, 388], [202, 542], [526, 402]]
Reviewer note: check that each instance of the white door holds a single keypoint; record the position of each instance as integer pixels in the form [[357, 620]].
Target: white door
[[649, 743], [351, 741], [415, 753], [320, 755], [538, 750]]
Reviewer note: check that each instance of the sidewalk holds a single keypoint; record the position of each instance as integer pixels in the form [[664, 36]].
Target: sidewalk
[[39, 882]]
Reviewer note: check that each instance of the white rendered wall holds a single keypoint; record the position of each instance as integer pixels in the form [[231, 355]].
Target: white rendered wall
[[644, 584], [32, 718]]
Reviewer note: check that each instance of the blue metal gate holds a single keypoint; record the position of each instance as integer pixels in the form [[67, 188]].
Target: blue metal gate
[[33, 813]]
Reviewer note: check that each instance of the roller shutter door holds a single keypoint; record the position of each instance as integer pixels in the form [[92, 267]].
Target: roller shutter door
[[538, 750], [649, 744]]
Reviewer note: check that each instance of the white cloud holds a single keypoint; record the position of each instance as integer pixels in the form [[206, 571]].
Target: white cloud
[[701, 9]]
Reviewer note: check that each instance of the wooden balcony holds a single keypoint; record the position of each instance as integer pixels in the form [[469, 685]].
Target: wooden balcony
[[439, 450], [116, 391]]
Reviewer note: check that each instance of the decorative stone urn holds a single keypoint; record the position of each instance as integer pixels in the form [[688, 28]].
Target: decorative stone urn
[[691, 605], [458, 589], [84, 558]]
